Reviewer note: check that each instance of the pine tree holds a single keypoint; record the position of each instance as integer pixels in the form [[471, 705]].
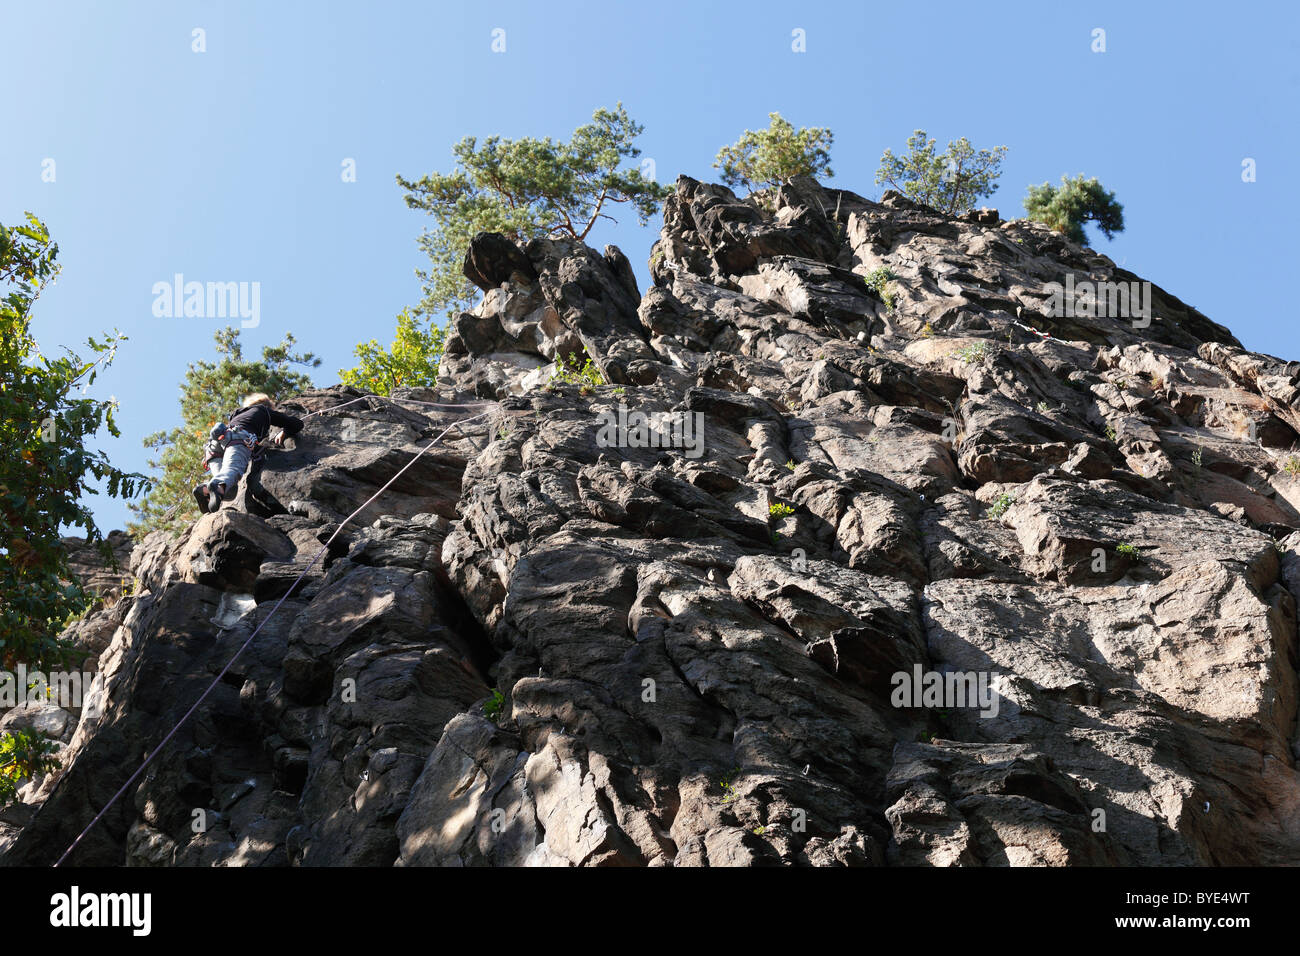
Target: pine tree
[[767, 158], [951, 181], [1076, 201], [524, 188]]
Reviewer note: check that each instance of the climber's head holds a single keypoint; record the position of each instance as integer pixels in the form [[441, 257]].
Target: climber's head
[[257, 398]]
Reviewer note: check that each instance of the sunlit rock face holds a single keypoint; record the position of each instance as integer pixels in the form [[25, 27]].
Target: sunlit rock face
[[870, 536]]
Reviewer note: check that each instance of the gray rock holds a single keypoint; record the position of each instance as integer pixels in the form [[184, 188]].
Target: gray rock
[[544, 646]]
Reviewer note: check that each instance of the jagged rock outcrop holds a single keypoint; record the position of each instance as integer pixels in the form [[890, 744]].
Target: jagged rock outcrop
[[559, 640]]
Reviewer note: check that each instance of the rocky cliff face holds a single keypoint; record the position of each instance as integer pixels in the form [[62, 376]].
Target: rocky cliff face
[[703, 636]]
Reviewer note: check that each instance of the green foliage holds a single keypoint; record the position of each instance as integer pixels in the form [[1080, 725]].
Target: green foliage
[[1198, 456], [1292, 466], [728, 785], [23, 754], [768, 157], [975, 353], [999, 507], [780, 510], [210, 391], [571, 370], [45, 466], [411, 361], [1066, 208], [1128, 551], [951, 182], [494, 706], [790, 464], [1111, 433], [877, 280], [1043, 408], [524, 188]]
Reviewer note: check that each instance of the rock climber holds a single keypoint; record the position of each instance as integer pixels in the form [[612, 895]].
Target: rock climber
[[233, 444]]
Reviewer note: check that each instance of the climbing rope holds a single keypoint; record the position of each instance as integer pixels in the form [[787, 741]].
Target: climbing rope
[[1030, 328], [216, 680], [389, 398]]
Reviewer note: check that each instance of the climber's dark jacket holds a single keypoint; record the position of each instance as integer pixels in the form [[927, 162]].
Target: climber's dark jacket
[[259, 420]]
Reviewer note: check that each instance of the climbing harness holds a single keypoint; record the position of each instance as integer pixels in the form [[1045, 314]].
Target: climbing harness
[[217, 680], [224, 436]]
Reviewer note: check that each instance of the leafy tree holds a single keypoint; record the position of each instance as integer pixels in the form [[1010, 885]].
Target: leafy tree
[[951, 181], [212, 390], [524, 188], [1076, 201], [412, 360], [44, 427], [769, 157]]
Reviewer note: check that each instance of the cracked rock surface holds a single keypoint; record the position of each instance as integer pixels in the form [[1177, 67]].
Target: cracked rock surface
[[542, 647]]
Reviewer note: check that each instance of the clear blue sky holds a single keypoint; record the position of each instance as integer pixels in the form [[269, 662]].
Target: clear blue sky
[[225, 165]]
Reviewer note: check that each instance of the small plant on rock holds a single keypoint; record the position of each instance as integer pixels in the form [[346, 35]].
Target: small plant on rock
[[877, 281], [975, 353], [728, 785], [494, 706], [780, 510], [999, 507], [571, 370], [1292, 466], [1128, 551]]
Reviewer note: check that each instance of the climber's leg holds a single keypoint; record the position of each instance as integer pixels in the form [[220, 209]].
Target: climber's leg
[[202, 491], [225, 482]]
